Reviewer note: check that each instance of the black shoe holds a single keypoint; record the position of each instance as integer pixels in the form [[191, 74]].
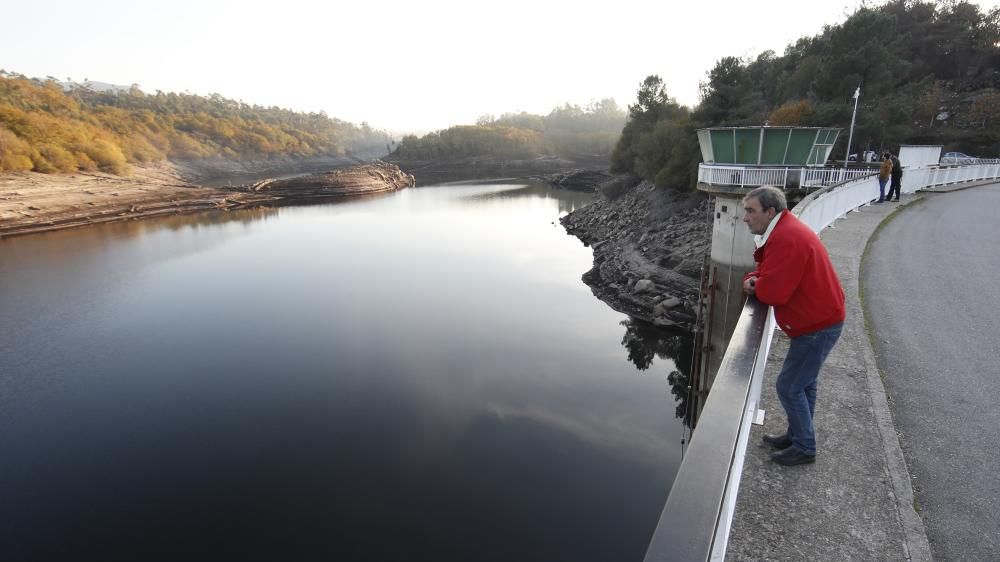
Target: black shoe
[[896, 200], [782, 441], [792, 456]]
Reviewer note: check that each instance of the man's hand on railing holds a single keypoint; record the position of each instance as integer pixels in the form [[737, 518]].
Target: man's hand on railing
[[750, 285]]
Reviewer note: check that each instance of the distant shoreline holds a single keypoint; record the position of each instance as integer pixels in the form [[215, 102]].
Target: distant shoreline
[[32, 202], [428, 172]]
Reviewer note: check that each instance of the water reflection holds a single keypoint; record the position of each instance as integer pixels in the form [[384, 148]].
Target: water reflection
[[193, 220], [420, 376], [567, 200], [645, 342]]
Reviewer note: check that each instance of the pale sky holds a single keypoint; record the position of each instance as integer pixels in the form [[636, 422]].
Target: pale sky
[[403, 65]]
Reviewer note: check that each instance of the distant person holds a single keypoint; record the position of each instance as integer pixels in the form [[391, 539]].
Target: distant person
[[896, 185], [884, 172], [795, 276]]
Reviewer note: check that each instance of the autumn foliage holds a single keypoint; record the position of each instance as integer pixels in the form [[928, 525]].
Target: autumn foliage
[[792, 113], [45, 129]]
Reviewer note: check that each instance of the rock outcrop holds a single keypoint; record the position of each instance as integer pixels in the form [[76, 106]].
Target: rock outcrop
[[578, 180], [649, 246], [377, 177]]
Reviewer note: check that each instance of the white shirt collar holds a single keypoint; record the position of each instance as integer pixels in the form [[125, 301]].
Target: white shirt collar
[[761, 239]]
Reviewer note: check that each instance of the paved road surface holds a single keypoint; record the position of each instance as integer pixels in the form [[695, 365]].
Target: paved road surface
[[931, 286]]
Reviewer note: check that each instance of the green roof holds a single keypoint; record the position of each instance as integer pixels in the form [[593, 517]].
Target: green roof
[[767, 146]]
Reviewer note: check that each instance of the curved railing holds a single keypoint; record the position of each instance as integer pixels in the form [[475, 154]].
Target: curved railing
[[696, 519], [967, 160], [948, 175]]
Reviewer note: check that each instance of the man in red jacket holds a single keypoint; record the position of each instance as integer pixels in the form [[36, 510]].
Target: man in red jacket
[[795, 276]]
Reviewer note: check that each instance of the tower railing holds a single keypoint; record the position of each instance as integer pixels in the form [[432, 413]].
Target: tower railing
[[749, 177]]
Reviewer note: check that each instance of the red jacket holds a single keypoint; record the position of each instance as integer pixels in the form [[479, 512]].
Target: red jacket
[[795, 276]]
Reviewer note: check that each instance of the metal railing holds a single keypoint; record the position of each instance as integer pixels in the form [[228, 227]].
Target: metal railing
[[829, 176], [746, 177], [694, 524], [743, 176], [967, 161], [948, 175], [697, 517]]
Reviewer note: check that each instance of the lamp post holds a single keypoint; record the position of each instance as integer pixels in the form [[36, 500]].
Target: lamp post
[[850, 136]]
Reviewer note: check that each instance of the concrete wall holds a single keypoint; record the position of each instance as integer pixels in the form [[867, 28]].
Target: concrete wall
[[731, 259]]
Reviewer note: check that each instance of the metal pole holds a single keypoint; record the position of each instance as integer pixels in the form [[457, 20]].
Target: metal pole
[[850, 136]]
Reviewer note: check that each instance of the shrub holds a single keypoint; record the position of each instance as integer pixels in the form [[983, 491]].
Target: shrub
[[15, 154], [58, 157], [109, 157]]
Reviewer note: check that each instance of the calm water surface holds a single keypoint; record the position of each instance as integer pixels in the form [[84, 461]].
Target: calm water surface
[[419, 376]]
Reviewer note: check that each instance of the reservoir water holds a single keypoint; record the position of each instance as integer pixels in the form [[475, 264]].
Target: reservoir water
[[417, 376]]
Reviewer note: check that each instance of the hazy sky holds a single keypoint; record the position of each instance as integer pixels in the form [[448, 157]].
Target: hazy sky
[[403, 64]]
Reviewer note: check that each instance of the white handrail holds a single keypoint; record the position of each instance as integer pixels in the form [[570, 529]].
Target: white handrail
[[830, 176], [748, 177], [822, 207], [818, 210], [967, 172]]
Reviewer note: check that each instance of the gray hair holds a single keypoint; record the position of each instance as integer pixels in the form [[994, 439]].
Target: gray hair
[[769, 197]]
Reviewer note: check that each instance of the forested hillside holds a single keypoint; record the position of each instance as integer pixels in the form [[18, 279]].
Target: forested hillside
[[929, 74], [45, 129], [566, 131]]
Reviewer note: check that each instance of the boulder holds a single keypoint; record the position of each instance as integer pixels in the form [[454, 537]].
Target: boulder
[[642, 286], [671, 302], [664, 322]]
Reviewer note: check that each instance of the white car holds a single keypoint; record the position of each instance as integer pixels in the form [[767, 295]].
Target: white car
[[866, 156], [957, 158]]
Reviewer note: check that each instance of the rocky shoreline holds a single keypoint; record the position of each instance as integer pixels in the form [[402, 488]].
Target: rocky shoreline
[[32, 202], [649, 247]]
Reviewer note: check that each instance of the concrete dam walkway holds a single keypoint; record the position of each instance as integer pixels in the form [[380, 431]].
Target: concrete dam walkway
[[932, 296], [939, 423]]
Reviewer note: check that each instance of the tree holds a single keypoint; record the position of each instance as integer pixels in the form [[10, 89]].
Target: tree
[[985, 112], [724, 94], [655, 141], [792, 113], [930, 102], [652, 96], [868, 48]]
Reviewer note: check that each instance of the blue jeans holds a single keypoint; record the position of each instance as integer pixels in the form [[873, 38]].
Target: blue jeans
[[881, 189], [797, 381]]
